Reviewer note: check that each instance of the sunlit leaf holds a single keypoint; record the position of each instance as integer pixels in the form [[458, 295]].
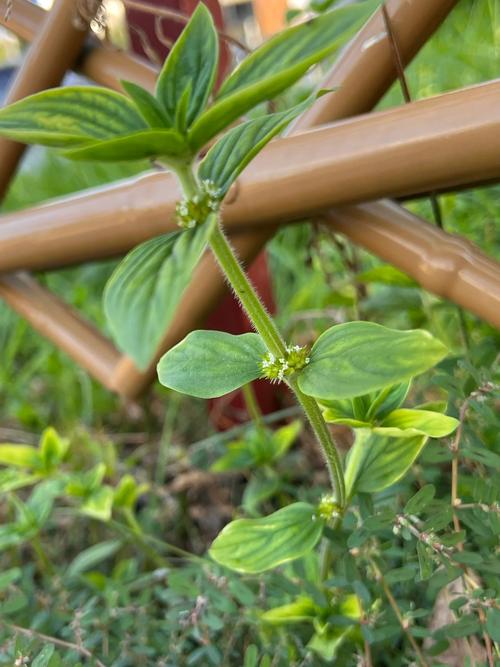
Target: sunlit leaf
[[137, 146], [256, 545], [70, 116], [405, 422], [276, 65], [375, 462], [237, 148], [355, 358], [207, 364], [144, 291], [192, 65], [147, 105]]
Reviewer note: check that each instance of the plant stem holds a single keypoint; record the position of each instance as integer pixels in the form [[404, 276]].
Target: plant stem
[[267, 329], [313, 412], [247, 295], [28, 632], [252, 406]]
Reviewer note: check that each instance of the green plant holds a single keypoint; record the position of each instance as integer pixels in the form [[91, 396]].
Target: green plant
[[346, 376], [174, 126]]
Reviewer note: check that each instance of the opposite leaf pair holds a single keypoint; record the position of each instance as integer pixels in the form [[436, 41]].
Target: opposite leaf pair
[[347, 360]]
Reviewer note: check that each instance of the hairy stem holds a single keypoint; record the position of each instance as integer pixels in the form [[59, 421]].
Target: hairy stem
[[267, 329]]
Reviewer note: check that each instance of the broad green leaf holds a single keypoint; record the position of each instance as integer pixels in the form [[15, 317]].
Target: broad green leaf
[[302, 609], [191, 63], [354, 358], [91, 557], [70, 116], [144, 291], [137, 146], [226, 160], [147, 105], [405, 422], [276, 65], [256, 545], [21, 456], [375, 462], [207, 364], [420, 500]]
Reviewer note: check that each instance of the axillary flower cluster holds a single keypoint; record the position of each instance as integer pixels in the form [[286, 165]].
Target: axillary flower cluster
[[277, 368], [192, 212]]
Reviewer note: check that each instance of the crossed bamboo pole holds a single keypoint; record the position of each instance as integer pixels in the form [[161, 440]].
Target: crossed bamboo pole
[[444, 142]]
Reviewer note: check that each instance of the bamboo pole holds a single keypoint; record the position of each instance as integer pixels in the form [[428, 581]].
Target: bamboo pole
[[444, 142]]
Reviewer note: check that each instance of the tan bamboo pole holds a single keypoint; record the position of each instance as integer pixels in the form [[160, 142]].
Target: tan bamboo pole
[[438, 143], [127, 378], [102, 63], [445, 264], [58, 41], [61, 324], [54, 50]]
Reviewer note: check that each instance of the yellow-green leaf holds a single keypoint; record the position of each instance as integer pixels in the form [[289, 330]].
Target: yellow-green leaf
[[256, 545]]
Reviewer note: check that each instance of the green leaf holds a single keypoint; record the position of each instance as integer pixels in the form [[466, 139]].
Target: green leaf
[[406, 423], [127, 492], [21, 456], [144, 291], [43, 658], [375, 462], [92, 557], [354, 358], [99, 503], [226, 160], [425, 561], [8, 577], [147, 105], [10, 480], [237, 457], [256, 545], [257, 491], [336, 415], [388, 399], [137, 146], [276, 65], [52, 449], [302, 609], [191, 63], [70, 116], [420, 500], [207, 364], [283, 438], [493, 624], [386, 274]]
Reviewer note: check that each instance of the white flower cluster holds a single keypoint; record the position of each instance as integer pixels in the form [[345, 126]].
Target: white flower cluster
[[192, 212], [276, 368]]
